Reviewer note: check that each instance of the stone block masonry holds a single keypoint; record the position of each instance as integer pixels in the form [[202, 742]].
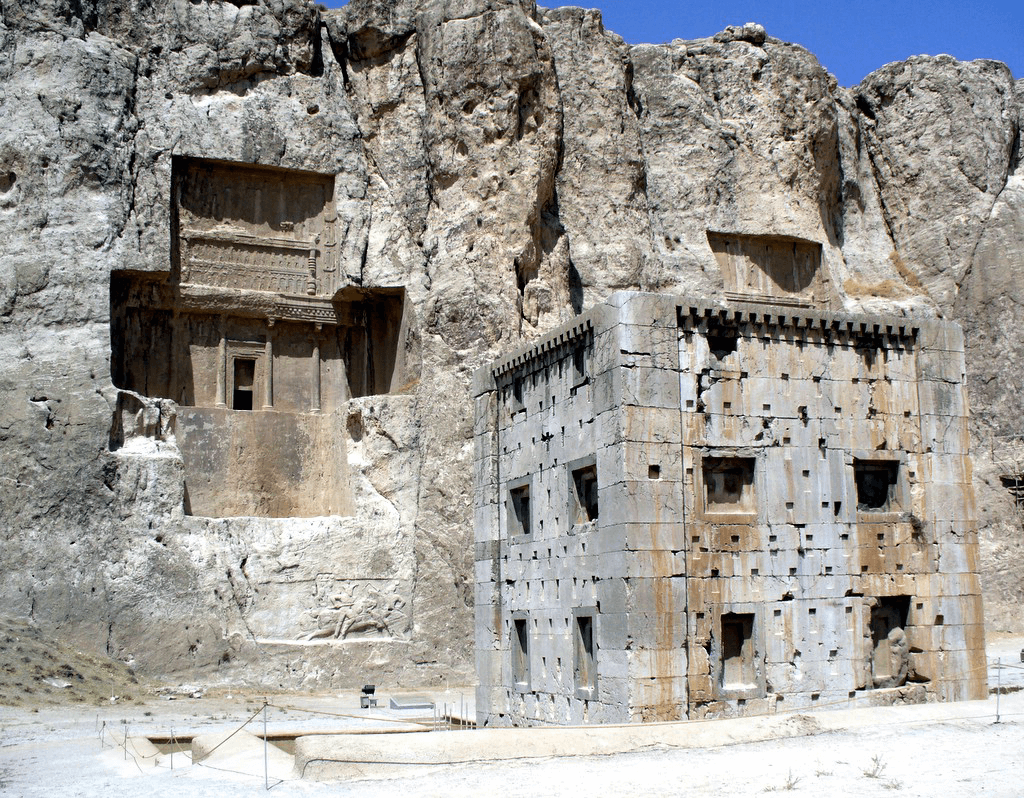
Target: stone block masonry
[[689, 509]]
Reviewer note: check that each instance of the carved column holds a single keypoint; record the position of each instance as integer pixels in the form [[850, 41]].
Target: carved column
[[316, 367], [268, 398], [172, 363], [222, 365], [311, 280], [330, 253]]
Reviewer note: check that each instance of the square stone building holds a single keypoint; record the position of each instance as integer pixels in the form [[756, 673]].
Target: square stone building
[[690, 508]]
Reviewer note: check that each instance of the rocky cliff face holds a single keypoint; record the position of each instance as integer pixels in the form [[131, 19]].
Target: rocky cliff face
[[506, 166]]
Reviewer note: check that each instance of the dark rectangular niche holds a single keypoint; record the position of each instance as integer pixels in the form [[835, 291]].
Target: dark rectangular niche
[[1014, 484], [584, 659], [775, 269], [877, 483], [520, 652], [519, 512], [728, 484], [141, 319], [372, 343], [738, 668], [245, 379], [889, 648], [722, 340], [585, 507]]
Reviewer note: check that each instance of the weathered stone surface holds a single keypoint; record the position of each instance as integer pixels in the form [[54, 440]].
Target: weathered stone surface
[[507, 166]]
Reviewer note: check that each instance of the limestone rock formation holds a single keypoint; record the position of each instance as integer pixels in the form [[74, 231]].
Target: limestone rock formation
[[504, 166]]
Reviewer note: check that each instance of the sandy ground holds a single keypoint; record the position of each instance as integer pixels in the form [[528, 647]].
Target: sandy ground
[[36, 671], [930, 750]]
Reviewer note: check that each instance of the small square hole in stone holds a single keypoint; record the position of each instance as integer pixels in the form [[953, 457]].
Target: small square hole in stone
[[792, 571], [778, 613], [654, 471]]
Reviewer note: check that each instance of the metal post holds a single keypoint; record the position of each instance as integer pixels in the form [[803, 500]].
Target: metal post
[[126, 740], [266, 775], [999, 684], [173, 746]]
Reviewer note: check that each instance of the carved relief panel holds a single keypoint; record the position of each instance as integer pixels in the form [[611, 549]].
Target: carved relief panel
[[354, 609], [255, 228], [773, 269]]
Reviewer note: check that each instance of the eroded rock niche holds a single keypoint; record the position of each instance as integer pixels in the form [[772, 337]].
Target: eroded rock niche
[[259, 338], [775, 269]]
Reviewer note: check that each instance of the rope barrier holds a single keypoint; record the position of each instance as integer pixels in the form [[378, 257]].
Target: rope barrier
[[130, 749], [121, 745], [236, 731], [345, 714]]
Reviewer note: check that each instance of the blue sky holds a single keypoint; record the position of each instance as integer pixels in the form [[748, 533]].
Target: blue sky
[[850, 39]]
